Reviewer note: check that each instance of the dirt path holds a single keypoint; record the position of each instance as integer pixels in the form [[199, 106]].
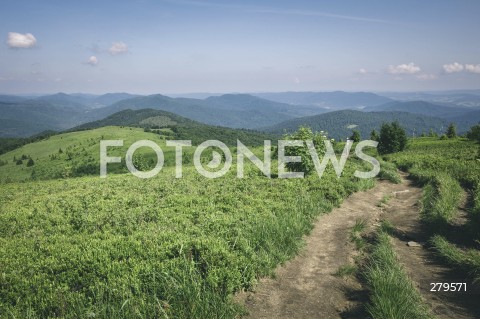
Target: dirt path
[[306, 287], [421, 264]]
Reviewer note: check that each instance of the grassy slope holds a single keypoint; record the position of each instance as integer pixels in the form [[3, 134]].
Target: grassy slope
[[123, 247], [84, 149]]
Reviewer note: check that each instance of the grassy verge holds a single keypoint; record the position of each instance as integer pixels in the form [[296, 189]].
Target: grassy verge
[[468, 260], [388, 171], [441, 198], [475, 212], [392, 294]]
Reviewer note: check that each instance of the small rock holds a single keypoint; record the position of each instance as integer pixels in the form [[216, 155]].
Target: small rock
[[413, 244]]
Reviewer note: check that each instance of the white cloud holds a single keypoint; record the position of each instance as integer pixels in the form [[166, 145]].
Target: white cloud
[[453, 68], [472, 68], [362, 71], [93, 61], [21, 41], [409, 68], [426, 77], [118, 48]]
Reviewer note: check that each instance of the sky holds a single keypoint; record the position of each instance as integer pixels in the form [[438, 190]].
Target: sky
[[182, 46]]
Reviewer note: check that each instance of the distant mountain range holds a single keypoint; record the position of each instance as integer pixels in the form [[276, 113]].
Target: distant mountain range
[[85, 100], [26, 116], [231, 110], [330, 100]]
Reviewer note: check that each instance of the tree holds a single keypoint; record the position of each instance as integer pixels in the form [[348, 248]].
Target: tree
[[451, 131], [432, 133], [30, 162], [392, 138], [355, 136], [474, 133], [19, 162], [374, 135]]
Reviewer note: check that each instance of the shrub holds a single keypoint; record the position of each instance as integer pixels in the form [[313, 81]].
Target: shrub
[[306, 164], [392, 138], [474, 133], [374, 135], [355, 136], [19, 162], [30, 162]]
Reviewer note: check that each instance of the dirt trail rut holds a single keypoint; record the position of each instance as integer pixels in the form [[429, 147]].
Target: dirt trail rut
[[306, 287]]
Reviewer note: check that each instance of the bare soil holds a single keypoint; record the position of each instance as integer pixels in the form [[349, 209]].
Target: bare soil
[[306, 286]]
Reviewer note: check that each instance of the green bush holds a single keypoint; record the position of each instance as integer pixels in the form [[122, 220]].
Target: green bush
[[474, 133], [392, 138], [451, 131], [306, 164], [30, 162]]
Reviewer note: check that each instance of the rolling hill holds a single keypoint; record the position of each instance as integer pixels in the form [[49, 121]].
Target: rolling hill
[[30, 117], [339, 124], [421, 107], [177, 127]]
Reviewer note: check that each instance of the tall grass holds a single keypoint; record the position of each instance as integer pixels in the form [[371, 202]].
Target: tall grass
[[388, 171], [468, 260], [440, 200], [475, 212], [392, 293]]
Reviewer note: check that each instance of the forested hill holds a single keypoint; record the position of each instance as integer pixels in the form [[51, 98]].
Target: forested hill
[[177, 127], [339, 124]]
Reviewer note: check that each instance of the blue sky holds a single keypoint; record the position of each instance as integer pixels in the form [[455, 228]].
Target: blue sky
[[180, 46]]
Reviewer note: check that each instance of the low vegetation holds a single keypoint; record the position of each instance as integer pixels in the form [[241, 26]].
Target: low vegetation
[[392, 293], [440, 201], [123, 247], [467, 260]]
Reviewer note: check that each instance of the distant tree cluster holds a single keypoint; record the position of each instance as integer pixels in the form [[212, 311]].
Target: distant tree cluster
[[19, 161], [392, 138]]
